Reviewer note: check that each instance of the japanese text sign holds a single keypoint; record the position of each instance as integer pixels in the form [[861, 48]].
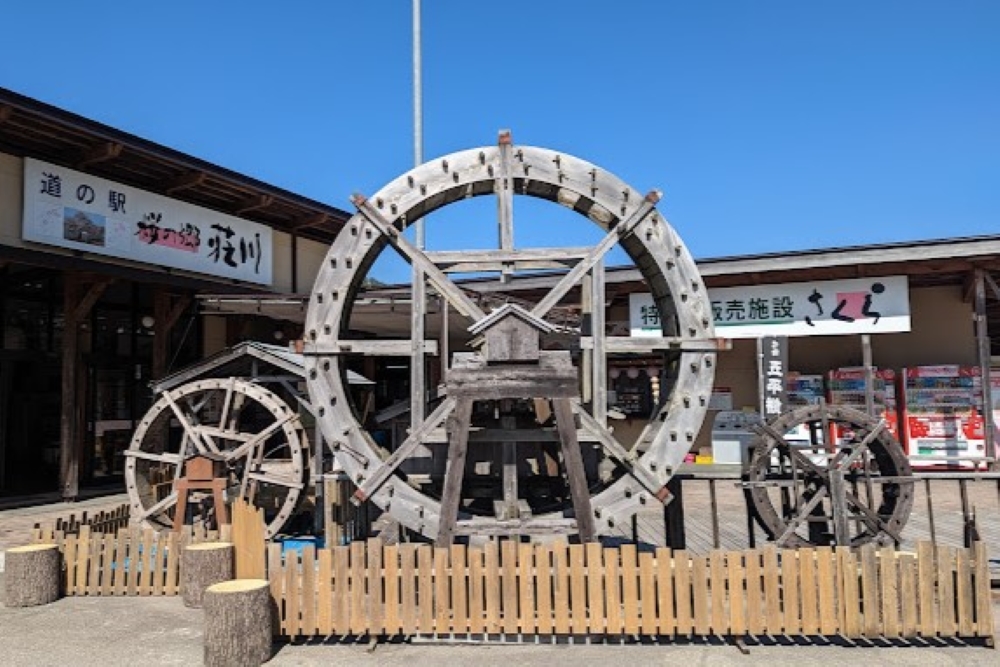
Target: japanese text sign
[[773, 368], [74, 210], [820, 308]]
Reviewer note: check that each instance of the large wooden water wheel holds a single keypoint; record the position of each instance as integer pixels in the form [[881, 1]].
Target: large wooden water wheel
[[829, 475], [249, 427], [527, 486]]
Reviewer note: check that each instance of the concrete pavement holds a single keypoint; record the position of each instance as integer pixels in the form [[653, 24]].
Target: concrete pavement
[[97, 632]]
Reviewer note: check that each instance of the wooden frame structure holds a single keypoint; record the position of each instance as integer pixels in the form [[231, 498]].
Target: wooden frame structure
[[505, 171]]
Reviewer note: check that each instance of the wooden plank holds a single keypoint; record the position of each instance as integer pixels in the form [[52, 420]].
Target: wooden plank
[[477, 592], [390, 564], [870, 592], [666, 619], [578, 582], [134, 561], [756, 624], [963, 594], [526, 587], [984, 608], [826, 577], [492, 588], [324, 593], [159, 563], [307, 596], [613, 592], [342, 590], [455, 471], [148, 546], [647, 594], [459, 589], [543, 581], [292, 619], [597, 616], [888, 575], [772, 590], [926, 581], [508, 586], [850, 598], [374, 605], [96, 556], [718, 580], [108, 564], [275, 575], [682, 590], [408, 589], [358, 574], [908, 594], [630, 589], [442, 598], [790, 590], [699, 592], [573, 468], [69, 557], [172, 586], [82, 559], [809, 620], [121, 558], [737, 622], [947, 624]]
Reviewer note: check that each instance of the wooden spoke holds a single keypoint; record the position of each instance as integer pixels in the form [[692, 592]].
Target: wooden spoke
[[170, 459], [158, 508]]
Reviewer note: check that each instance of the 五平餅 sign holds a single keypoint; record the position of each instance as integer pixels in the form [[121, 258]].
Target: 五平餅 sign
[[817, 308], [78, 211]]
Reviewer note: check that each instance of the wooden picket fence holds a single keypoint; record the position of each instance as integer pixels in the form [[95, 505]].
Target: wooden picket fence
[[129, 562], [105, 521], [519, 588]]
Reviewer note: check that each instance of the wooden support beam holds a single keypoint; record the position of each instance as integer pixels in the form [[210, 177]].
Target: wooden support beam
[[575, 475], [451, 496], [78, 299], [620, 231], [253, 203], [504, 189], [372, 348], [185, 181], [5, 113], [166, 313], [984, 349], [644, 344], [417, 257], [318, 220], [108, 150]]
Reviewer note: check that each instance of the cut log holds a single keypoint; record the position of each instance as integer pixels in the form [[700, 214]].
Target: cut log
[[237, 623], [202, 565], [32, 576]]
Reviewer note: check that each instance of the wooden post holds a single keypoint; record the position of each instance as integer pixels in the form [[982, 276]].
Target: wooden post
[[574, 469], [78, 299], [32, 576], [985, 355], [203, 565], [166, 314], [237, 623], [451, 497]]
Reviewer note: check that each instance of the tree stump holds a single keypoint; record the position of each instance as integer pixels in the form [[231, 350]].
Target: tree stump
[[237, 623], [32, 575], [202, 565]]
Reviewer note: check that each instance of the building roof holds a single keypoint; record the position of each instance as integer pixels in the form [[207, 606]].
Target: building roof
[[29, 128]]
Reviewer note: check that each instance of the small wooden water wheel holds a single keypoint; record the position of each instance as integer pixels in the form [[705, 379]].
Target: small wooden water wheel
[[253, 431], [829, 475]]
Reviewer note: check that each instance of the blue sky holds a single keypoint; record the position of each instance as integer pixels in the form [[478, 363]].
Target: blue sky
[[770, 125]]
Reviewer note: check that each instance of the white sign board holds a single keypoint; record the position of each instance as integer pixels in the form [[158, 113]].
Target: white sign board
[[820, 308], [74, 210]]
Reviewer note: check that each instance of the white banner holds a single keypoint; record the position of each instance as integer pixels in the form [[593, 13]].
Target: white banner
[[74, 210], [820, 308]]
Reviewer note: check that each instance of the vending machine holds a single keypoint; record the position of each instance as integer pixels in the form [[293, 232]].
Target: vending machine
[[848, 386], [802, 389], [943, 415]]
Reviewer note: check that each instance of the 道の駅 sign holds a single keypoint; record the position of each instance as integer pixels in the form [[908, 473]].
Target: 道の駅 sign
[[820, 308], [78, 211]]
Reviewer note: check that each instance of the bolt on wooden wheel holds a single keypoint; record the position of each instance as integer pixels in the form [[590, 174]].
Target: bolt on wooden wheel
[[829, 475], [249, 426]]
